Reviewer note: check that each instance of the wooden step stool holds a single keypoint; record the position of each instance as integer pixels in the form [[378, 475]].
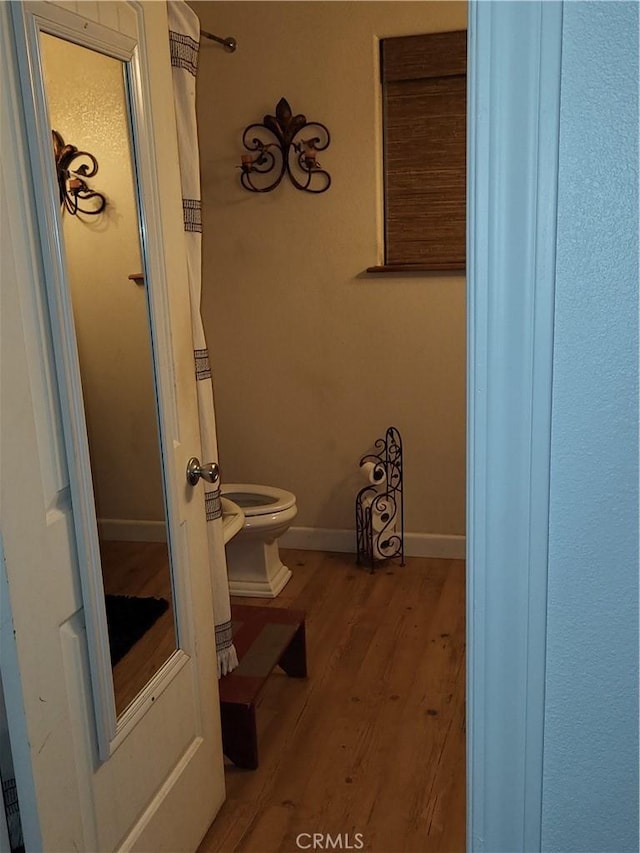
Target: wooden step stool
[[264, 637]]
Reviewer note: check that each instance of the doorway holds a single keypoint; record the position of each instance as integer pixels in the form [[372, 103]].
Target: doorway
[[312, 359], [514, 80], [505, 761]]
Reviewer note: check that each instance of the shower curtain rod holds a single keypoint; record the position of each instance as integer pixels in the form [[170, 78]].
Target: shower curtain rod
[[229, 43]]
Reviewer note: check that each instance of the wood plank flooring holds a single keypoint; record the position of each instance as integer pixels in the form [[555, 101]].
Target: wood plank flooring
[[373, 742], [139, 569]]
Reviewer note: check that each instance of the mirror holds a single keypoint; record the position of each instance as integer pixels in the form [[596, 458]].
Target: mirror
[[88, 109]]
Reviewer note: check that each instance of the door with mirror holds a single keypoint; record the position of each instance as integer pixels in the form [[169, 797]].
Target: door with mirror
[[128, 637], [91, 139]]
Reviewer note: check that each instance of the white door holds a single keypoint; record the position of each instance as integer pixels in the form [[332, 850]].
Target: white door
[[93, 776]]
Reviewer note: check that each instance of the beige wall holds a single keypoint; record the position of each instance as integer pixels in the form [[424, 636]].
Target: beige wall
[[312, 357], [85, 92]]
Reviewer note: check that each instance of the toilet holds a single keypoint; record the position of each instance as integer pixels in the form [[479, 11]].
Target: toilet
[[253, 558]]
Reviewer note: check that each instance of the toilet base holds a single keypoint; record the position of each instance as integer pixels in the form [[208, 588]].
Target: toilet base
[[261, 589], [255, 568]]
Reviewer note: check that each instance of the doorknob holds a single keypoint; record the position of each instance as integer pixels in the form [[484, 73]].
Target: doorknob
[[209, 471]]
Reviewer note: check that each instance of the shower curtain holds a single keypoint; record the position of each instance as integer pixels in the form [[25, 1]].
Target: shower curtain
[[184, 36]]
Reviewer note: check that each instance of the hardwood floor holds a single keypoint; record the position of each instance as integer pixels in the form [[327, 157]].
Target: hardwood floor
[[373, 742], [139, 569]]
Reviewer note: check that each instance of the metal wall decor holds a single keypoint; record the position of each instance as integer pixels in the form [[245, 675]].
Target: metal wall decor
[[379, 505], [289, 155], [75, 194]]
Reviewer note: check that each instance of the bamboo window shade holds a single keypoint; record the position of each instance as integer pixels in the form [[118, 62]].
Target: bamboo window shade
[[424, 116]]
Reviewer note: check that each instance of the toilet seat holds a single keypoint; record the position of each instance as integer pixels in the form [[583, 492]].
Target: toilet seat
[[258, 500], [232, 519]]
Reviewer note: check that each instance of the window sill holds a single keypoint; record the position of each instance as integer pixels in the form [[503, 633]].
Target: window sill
[[456, 266]]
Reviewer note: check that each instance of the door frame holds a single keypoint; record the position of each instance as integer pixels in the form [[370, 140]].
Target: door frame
[[513, 130], [513, 150]]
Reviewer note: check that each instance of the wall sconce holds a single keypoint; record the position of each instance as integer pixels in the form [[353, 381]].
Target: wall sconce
[[74, 191], [286, 153]]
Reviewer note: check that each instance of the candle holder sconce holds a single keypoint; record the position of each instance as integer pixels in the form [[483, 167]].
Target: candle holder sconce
[[288, 155], [74, 191]]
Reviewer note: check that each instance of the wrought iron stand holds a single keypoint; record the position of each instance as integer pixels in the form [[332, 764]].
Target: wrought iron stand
[[379, 509]]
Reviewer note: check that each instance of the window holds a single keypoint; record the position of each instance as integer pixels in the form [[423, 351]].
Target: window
[[424, 126]]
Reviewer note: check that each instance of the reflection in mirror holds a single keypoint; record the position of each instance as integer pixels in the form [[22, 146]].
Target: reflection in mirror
[[87, 102]]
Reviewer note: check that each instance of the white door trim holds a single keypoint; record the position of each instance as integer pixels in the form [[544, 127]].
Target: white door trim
[[16, 720], [20, 255], [513, 121]]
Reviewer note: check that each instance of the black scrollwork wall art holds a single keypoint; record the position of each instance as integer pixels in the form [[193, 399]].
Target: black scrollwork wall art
[[74, 167], [294, 153]]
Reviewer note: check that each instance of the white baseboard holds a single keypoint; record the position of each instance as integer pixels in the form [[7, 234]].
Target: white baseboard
[[441, 546], [319, 539], [126, 530], [415, 544]]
